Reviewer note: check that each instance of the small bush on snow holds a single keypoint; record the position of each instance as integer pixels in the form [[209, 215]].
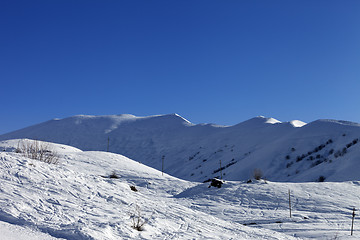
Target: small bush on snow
[[37, 150], [257, 174], [321, 179], [113, 175], [137, 220]]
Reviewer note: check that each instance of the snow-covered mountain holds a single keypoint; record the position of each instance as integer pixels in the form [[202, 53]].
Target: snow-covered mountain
[[289, 151]]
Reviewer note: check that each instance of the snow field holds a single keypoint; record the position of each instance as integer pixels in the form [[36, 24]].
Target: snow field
[[16, 232], [319, 210], [76, 199]]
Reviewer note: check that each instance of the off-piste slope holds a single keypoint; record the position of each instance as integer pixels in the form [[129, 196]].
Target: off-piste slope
[[288, 151], [16, 232], [320, 210], [77, 199]]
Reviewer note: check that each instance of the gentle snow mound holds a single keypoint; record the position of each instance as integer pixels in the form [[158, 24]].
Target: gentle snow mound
[[11, 145]]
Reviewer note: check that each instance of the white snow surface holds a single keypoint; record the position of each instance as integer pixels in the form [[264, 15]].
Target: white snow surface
[[297, 123], [76, 199], [272, 121], [16, 232], [284, 151]]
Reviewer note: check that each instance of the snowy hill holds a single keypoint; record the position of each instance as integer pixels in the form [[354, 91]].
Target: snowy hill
[[290, 151], [77, 199]]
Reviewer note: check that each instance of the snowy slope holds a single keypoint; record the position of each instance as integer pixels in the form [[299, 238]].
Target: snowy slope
[[76, 199], [319, 210], [289, 151], [16, 232]]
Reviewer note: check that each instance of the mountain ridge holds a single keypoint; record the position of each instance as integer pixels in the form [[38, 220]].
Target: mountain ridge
[[200, 151]]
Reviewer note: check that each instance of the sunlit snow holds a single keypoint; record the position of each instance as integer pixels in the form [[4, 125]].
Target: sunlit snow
[[79, 197]]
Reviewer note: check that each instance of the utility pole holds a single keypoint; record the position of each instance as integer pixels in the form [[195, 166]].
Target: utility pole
[[162, 165], [220, 170], [352, 223], [108, 144], [290, 203]]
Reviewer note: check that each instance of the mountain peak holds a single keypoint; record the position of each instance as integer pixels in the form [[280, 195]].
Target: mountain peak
[[184, 119], [272, 121], [261, 120], [297, 123]]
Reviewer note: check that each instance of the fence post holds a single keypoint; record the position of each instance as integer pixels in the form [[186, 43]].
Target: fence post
[[352, 222], [290, 203]]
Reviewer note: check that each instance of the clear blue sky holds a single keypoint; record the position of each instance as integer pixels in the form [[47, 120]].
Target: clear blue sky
[[210, 61]]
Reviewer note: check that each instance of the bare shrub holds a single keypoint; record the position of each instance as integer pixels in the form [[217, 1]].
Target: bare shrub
[[137, 220], [321, 179], [113, 175], [37, 150], [257, 174]]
